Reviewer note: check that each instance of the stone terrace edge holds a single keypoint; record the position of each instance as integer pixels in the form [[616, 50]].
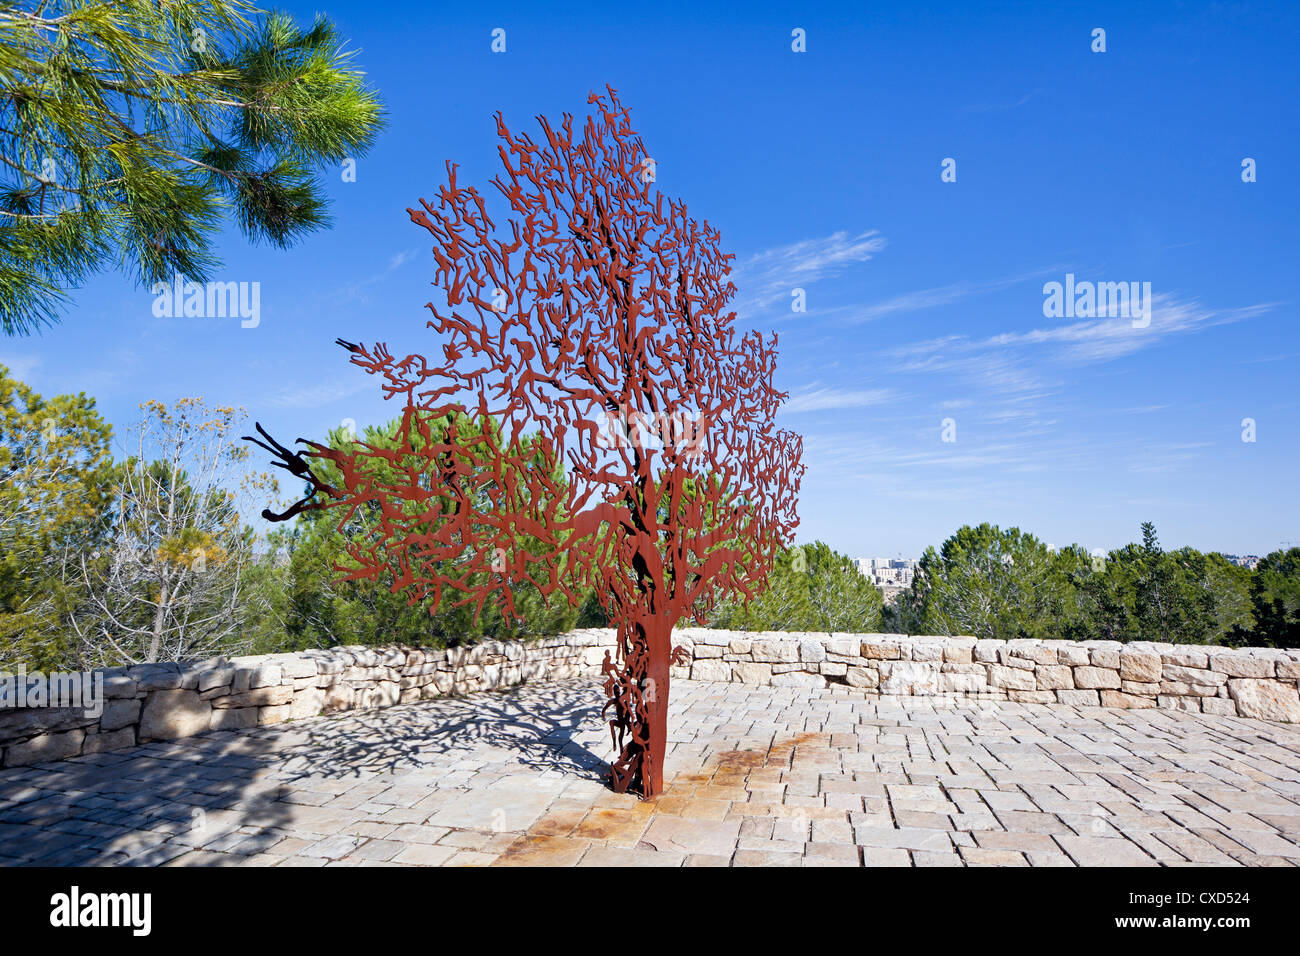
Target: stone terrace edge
[[170, 701]]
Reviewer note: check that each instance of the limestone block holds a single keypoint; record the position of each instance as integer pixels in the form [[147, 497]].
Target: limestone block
[[927, 651], [171, 714], [120, 685], [1107, 657], [1007, 659], [273, 715], [1219, 707], [311, 702], [1182, 655], [261, 697], [156, 676], [1053, 677], [718, 638], [215, 677], [812, 651], [950, 683], [866, 677], [775, 651], [1141, 666], [1011, 678], [881, 650], [1239, 664], [1035, 651], [1078, 698], [1073, 654], [45, 747], [1116, 698], [917, 678], [1265, 699], [1096, 677], [752, 673], [1140, 688], [31, 721], [119, 713], [1193, 675]]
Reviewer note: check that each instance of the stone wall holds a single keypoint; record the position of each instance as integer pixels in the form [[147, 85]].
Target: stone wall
[[1244, 682], [169, 701]]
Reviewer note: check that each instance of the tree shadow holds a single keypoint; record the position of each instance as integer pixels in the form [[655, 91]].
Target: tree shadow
[[231, 795]]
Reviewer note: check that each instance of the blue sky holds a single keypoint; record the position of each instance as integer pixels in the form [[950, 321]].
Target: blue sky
[[822, 171]]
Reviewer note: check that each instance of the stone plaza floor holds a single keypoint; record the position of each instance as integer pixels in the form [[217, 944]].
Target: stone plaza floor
[[757, 776]]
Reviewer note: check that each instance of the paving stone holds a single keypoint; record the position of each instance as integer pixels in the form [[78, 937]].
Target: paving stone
[[757, 775], [692, 836], [625, 856], [1096, 851]]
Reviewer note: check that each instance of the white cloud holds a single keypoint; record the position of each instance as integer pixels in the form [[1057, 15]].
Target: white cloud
[[20, 366], [821, 399], [770, 276], [401, 259], [311, 396], [930, 298]]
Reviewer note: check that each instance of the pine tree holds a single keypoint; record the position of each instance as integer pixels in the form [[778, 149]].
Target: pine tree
[[129, 128]]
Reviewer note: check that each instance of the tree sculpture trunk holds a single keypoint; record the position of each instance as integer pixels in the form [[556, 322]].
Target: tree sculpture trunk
[[592, 328]]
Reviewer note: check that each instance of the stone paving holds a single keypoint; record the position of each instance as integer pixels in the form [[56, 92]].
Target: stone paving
[[758, 776]]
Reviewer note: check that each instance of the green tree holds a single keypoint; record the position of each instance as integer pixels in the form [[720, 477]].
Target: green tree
[[169, 582], [1275, 599], [990, 583], [55, 480], [811, 588], [1144, 593], [324, 604], [129, 127]]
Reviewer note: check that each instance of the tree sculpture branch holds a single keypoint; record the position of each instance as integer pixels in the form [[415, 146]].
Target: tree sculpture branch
[[592, 329]]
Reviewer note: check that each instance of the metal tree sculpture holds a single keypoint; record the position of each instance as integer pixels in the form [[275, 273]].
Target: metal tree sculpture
[[590, 332]]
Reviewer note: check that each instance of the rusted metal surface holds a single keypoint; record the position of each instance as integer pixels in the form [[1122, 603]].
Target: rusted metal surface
[[636, 446]]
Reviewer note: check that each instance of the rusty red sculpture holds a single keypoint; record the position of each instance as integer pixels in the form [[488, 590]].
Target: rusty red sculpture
[[591, 329]]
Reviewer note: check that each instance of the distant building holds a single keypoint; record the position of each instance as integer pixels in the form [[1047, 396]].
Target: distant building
[[891, 575]]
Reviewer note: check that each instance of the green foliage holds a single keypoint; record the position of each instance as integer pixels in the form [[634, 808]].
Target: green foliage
[[811, 588], [1144, 593], [129, 127], [1005, 584], [1275, 599], [987, 582], [100, 559], [55, 485], [323, 607]]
